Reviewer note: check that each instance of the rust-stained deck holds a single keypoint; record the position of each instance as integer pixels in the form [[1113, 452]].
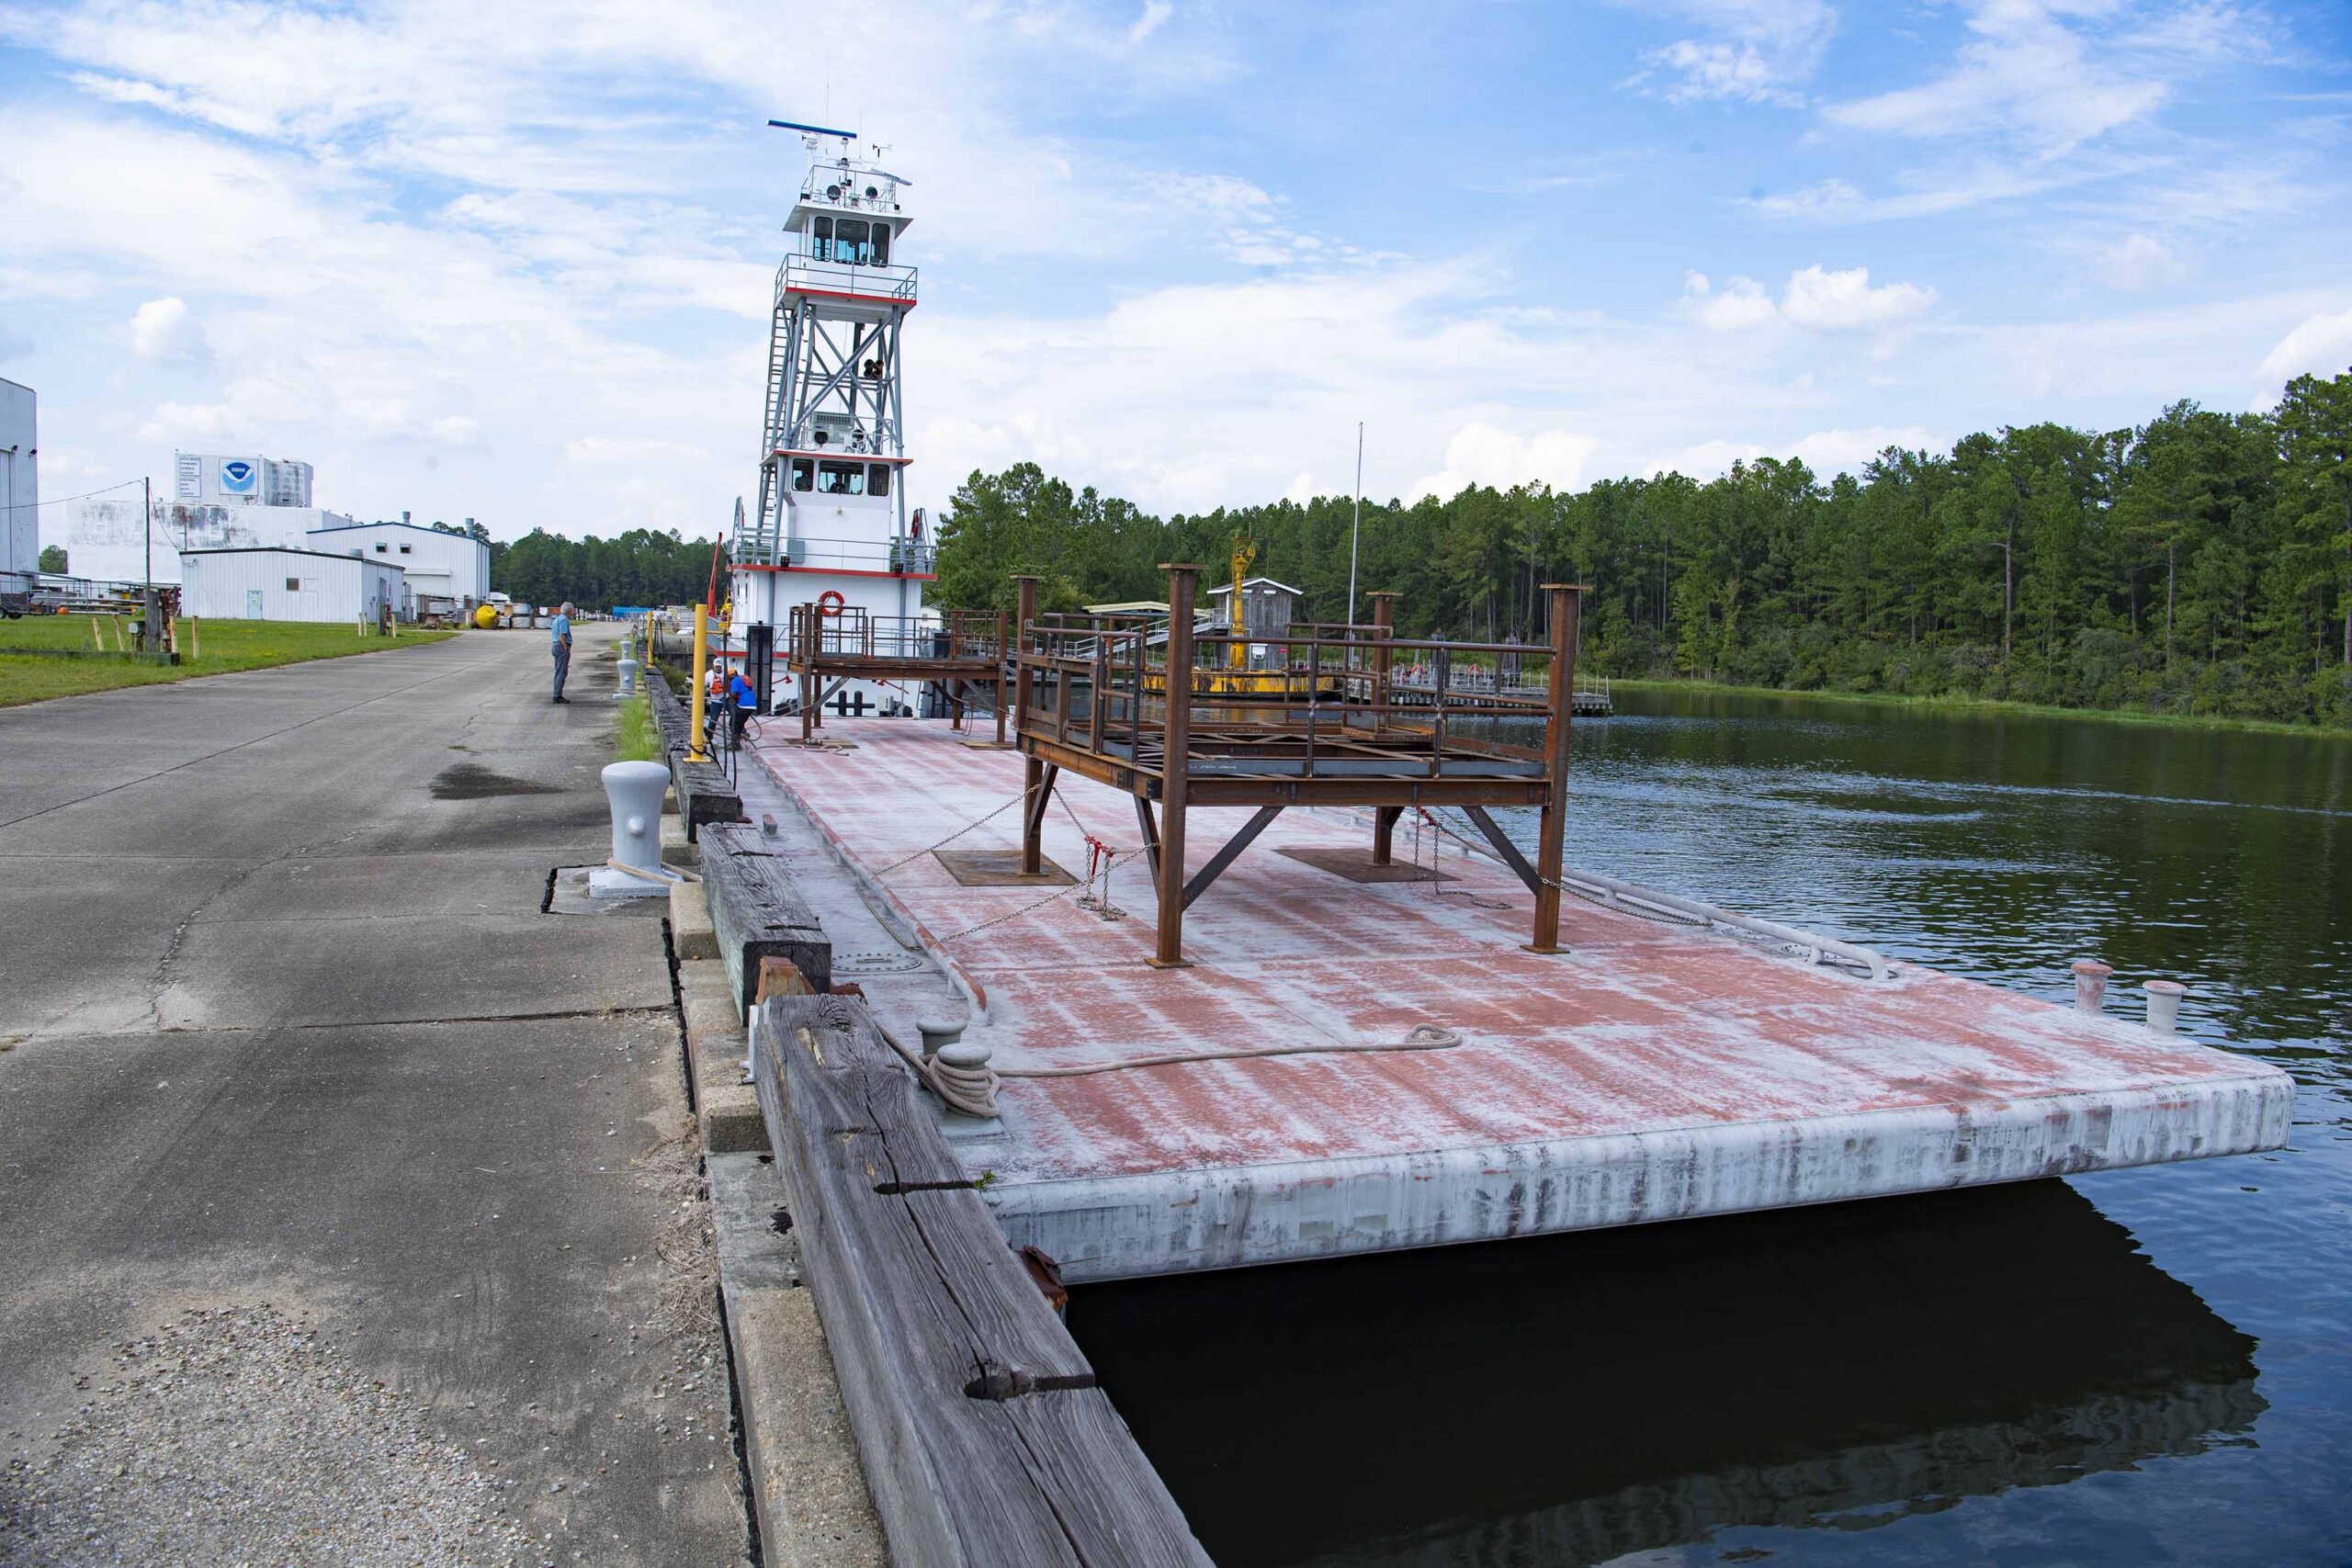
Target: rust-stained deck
[[1651, 1072]]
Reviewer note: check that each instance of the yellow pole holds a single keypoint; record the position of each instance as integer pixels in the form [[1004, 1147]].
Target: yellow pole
[[695, 752]]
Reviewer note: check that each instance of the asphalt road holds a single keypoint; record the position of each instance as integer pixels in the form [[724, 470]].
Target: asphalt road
[[283, 1025]]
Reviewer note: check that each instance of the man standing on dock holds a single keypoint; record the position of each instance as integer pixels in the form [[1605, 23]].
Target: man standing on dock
[[559, 643]]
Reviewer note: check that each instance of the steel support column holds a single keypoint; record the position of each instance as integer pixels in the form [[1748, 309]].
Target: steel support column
[[1566, 603], [1181, 581], [1033, 772]]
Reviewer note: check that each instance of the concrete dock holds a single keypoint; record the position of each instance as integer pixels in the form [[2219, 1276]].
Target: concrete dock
[[378, 1183], [1653, 1072]]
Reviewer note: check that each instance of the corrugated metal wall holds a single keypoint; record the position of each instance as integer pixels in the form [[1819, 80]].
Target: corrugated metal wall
[[285, 585]]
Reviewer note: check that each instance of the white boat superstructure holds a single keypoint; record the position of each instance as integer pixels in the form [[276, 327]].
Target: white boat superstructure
[[833, 526]]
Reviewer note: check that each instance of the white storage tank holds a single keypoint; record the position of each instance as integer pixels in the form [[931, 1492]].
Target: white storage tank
[[265, 584]]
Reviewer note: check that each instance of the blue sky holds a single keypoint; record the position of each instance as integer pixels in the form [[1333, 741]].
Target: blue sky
[[511, 261]]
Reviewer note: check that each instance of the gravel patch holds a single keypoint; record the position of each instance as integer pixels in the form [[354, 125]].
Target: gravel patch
[[239, 1437]]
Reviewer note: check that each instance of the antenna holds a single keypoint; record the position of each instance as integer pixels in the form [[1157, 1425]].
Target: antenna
[[813, 130]]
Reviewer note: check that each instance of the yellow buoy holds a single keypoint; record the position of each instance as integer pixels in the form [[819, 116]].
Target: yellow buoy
[[486, 618]]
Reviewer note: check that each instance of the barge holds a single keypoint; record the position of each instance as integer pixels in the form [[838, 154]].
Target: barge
[[1652, 1070]]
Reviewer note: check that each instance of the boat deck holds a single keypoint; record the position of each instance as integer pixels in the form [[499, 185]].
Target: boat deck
[[1652, 1071]]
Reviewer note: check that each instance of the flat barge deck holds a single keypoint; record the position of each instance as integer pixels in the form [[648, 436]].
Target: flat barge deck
[[1651, 1072]]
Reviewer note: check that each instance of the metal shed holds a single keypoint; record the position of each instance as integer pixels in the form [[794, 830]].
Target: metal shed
[[278, 584]]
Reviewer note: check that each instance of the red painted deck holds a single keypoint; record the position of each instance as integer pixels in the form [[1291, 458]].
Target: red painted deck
[[1652, 1071]]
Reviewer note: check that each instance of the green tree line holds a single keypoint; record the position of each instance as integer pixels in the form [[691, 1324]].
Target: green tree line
[[644, 566], [2200, 563]]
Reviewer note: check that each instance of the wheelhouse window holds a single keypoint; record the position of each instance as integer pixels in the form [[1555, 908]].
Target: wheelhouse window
[[845, 240], [877, 479], [804, 473], [881, 244], [841, 478]]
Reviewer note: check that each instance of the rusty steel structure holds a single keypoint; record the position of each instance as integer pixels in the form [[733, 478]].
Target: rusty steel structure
[[1134, 701], [828, 643]]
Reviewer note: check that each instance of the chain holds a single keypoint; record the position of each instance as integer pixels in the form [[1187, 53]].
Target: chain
[[955, 835]]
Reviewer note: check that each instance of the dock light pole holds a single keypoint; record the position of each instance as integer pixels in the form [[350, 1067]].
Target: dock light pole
[[1561, 701], [695, 753]]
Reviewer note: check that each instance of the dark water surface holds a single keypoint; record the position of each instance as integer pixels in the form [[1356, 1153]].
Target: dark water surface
[[2142, 1366]]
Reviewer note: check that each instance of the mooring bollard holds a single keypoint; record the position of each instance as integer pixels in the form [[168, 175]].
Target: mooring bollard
[[2163, 1005], [2090, 984], [634, 791], [936, 1032], [628, 676]]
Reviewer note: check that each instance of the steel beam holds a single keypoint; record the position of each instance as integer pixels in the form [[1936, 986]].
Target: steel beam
[[1226, 856]]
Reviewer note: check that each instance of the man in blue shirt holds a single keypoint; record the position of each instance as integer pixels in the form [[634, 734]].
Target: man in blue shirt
[[745, 700], [559, 643]]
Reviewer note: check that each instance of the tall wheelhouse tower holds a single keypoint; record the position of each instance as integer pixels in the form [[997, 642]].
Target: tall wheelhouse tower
[[832, 512]]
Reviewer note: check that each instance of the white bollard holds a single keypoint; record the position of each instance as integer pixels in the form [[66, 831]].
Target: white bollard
[[635, 790], [2090, 984], [2163, 1005], [628, 676]]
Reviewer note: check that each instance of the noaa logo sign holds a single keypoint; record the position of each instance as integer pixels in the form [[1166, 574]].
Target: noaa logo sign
[[238, 476]]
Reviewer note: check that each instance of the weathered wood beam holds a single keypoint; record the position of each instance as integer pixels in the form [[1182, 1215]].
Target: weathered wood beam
[[983, 1434]]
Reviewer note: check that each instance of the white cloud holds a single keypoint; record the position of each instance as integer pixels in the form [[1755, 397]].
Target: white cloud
[[1741, 304], [1845, 301], [1825, 452], [2320, 346], [2140, 262], [2026, 73], [1481, 454], [1745, 51], [1848, 451], [163, 333]]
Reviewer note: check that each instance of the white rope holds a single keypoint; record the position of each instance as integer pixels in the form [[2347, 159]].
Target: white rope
[[1424, 1037], [973, 1090], [666, 874]]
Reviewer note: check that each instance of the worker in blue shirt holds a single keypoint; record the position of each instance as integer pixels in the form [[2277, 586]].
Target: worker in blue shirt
[[743, 700], [559, 643]]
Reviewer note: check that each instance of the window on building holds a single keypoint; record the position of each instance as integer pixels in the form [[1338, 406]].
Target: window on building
[[293, 585], [821, 239], [404, 549], [379, 550], [841, 478], [877, 479], [881, 244], [804, 470]]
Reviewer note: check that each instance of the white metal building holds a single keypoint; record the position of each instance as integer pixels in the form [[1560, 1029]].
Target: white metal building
[[439, 565], [278, 584], [20, 479], [108, 540]]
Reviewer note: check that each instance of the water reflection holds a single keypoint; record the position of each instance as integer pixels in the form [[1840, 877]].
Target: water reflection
[[1572, 1399]]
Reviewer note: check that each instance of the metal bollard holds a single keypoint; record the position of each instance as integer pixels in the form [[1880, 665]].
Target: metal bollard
[[2163, 1005], [628, 676], [634, 790], [2090, 984], [938, 1032]]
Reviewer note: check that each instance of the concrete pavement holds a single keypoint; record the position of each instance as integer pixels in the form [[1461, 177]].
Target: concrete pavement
[[290, 1026]]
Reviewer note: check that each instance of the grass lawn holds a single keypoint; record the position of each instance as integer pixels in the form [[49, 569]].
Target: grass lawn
[[224, 646], [640, 739]]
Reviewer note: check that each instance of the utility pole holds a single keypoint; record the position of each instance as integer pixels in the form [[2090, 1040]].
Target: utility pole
[[147, 507], [1355, 531]]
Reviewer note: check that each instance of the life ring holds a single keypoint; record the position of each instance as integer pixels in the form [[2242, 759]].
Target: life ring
[[830, 603]]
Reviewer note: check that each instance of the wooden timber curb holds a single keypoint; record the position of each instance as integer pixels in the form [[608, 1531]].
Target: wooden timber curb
[[756, 913], [984, 1439]]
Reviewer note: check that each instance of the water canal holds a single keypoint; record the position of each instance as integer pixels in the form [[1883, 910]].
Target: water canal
[[2142, 1366]]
